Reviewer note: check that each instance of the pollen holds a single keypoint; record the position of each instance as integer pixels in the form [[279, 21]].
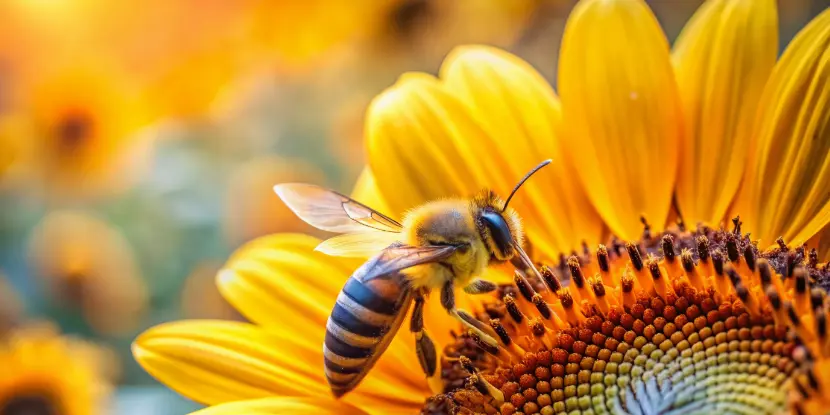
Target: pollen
[[687, 321]]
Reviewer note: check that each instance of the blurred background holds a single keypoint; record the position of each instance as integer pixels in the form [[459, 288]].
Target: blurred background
[[139, 144]]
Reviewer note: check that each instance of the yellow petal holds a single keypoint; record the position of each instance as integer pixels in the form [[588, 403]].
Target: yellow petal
[[282, 240], [621, 110], [283, 406], [213, 361], [423, 144], [281, 283], [789, 172], [821, 241], [722, 61], [520, 110]]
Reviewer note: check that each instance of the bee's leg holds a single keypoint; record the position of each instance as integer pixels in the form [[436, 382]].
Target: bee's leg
[[424, 346], [480, 286], [471, 323]]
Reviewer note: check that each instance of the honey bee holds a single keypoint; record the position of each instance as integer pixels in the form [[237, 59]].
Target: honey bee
[[439, 246]]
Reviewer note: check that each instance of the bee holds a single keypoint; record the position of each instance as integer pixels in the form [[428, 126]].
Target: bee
[[439, 246]]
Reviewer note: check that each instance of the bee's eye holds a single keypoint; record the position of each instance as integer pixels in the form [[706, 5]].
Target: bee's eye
[[463, 248], [499, 231]]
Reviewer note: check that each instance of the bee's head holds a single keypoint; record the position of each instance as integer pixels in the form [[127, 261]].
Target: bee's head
[[500, 228], [498, 225]]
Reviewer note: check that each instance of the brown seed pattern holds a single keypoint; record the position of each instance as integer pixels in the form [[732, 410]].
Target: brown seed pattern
[[680, 321]]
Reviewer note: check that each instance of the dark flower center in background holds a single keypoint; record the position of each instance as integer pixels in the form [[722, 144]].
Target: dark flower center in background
[[409, 17], [73, 288], [30, 404], [73, 131]]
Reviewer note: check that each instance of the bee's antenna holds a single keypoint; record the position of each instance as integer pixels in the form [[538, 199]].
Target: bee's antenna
[[524, 179]]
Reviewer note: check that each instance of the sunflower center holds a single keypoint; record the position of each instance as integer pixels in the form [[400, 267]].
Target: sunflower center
[[29, 404], [73, 130], [682, 321], [74, 287], [410, 16]]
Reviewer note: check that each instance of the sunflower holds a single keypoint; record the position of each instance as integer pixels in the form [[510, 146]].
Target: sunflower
[[46, 373], [662, 317], [86, 264], [590, 186], [8, 146], [80, 129]]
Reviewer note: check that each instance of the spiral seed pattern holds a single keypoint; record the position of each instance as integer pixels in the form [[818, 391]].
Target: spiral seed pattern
[[677, 323]]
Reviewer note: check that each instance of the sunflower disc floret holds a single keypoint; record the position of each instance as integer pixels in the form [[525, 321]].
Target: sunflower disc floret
[[688, 321]]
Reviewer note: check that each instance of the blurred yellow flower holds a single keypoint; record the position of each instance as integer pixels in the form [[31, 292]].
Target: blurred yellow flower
[[79, 133], [45, 373], [251, 207], [180, 53], [13, 170], [87, 264], [31, 27], [8, 145], [188, 54]]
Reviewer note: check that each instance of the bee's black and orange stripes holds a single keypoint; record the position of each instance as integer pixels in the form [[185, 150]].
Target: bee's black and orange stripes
[[364, 320]]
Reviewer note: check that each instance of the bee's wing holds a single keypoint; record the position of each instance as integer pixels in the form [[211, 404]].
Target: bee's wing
[[399, 257], [358, 244], [331, 211]]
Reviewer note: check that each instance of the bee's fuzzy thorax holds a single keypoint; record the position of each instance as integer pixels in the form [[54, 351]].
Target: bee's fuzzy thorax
[[446, 221]]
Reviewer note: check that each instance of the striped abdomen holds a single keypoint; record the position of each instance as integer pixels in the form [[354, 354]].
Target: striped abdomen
[[364, 320]]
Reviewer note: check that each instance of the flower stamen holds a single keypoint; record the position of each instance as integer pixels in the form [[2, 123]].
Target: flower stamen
[[524, 286], [655, 340]]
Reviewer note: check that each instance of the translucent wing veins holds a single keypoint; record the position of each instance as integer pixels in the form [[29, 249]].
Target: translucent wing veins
[[331, 211], [370, 217]]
